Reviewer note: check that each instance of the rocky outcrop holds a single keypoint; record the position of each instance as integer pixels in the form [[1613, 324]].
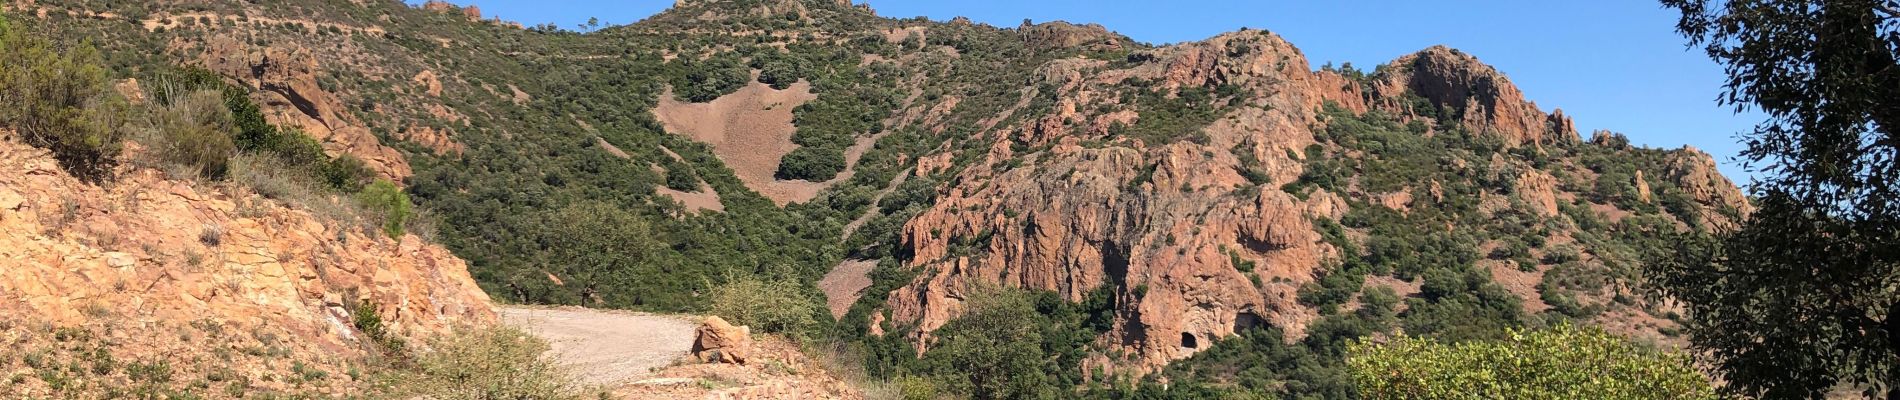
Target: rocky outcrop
[[1539, 190], [283, 82], [777, 369], [430, 83], [1642, 187], [1477, 94], [1695, 173], [148, 248], [129, 87], [1064, 35], [721, 342], [1160, 225], [438, 6], [1192, 249], [438, 140]]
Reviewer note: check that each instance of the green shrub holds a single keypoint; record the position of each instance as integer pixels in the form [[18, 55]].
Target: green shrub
[[811, 164], [346, 173], [995, 348], [680, 176], [58, 100], [781, 73], [292, 145], [706, 80], [368, 320], [485, 363], [386, 200], [1559, 363], [778, 305], [195, 131]]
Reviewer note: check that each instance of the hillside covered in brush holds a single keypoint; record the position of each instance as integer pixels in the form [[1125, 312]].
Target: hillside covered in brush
[[1225, 214]]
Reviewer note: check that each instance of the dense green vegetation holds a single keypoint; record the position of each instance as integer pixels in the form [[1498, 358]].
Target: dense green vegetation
[[1799, 301], [1542, 364], [1010, 345], [57, 98]]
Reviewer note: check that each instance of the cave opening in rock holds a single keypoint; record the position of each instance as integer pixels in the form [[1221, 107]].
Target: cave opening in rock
[[1248, 320], [1188, 341]]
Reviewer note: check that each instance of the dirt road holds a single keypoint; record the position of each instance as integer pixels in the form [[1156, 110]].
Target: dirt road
[[607, 348]]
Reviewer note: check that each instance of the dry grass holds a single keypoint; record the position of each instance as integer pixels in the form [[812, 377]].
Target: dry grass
[[486, 363]]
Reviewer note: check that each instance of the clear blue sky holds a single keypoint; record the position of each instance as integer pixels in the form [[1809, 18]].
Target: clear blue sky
[[1610, 64]]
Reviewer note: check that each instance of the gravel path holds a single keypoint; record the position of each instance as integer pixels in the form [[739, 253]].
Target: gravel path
[[607, 348]]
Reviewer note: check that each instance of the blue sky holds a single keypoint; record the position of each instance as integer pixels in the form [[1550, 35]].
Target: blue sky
[[1610, 64]]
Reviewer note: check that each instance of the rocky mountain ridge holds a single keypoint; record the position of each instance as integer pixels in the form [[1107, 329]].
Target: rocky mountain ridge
[[1169, 226], [1210, 188]]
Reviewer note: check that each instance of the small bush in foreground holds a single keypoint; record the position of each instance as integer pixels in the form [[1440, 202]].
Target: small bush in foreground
[[775, 306], [1560, 363], [486, 363]]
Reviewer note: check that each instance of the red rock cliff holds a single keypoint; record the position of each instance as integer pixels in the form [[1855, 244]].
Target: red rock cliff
[[147, 248], [1164, 224]]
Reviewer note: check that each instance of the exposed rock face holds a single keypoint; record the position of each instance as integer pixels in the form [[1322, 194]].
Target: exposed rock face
[[1539, 189], [1488, 101], [435, 139], [1076, 222], [152, 249], [721, 342], [284, 84], [1642, 187], [429, 82], [1695, 172], [438, 6], [1164, 225], [129, 87], [1064, 35]]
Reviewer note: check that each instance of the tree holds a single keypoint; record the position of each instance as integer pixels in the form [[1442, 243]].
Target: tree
[[57, 98], [596, 246], [812, 164], [1560, 363], [994, 351], [1801, 298]]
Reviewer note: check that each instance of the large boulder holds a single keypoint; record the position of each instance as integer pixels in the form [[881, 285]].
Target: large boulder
[[722, 342]]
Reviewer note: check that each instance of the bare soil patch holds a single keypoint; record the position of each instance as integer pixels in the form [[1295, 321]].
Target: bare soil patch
[[606, 348], [845, 284], [750, 130], [704, 199], [1519, 282]]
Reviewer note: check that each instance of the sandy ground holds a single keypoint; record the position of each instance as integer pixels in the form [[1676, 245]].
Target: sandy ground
[[750, 130], [607, 348], [845, 284]]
